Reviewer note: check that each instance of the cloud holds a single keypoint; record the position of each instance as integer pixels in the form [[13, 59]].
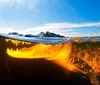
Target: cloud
[[62, 28], [66, 29], [7, 1], [6, 30], [73, 25], [48, 27], [78, 34], [24, 3]]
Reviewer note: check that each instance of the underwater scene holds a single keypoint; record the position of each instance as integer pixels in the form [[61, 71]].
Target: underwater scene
[[66, 60]]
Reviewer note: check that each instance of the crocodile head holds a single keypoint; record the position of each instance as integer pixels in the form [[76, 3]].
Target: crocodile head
[[58, 53]]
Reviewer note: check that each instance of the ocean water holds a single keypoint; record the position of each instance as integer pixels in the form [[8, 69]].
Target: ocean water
[[49, 40]]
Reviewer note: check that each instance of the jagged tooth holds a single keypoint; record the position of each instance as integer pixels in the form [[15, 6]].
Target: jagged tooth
[[22, 43], [17, 49], [11, 49], [27, 42], [17, 44], [7, 40]]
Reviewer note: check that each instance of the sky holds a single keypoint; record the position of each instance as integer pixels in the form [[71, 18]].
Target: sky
[[65, 17]]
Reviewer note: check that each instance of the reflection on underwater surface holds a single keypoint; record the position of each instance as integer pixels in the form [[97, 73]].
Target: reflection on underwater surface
[[77, 57]]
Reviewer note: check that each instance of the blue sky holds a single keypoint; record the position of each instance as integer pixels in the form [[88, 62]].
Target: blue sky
[[66, 17]]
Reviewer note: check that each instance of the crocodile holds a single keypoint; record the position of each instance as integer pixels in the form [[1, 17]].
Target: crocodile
[[81, 57]]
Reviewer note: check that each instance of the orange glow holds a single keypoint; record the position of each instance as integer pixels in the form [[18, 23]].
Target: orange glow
[[36, 51], [59, 54]]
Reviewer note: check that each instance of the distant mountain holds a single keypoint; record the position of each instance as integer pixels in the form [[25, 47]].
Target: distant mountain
[[30, 35], [49, 34], [14, 33], [41, 34]]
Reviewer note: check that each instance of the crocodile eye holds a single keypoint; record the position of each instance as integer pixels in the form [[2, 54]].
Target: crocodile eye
[[82, 54]]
